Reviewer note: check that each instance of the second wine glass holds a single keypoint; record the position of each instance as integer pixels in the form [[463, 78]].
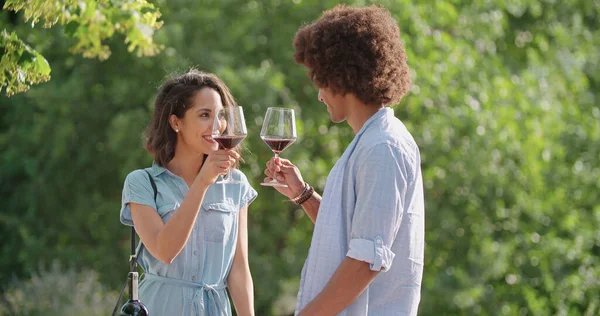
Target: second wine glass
[[278, 132], [229, 130]]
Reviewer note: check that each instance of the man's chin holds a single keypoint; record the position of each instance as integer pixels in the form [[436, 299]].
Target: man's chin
[[338, 119]]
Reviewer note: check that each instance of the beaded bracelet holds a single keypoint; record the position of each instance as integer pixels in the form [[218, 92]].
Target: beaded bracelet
[[306, 187], [304, 196]]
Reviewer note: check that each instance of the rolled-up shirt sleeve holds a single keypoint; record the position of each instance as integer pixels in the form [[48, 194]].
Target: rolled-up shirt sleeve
[[380, 189]]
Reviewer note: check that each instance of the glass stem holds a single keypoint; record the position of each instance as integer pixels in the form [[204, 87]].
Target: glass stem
[[275, 176], [229, 174]]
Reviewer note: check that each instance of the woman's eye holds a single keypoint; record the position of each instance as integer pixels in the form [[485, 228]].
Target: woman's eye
[[204, 115]]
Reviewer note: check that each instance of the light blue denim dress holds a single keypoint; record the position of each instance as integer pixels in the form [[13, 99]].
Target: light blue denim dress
[[194, 283]]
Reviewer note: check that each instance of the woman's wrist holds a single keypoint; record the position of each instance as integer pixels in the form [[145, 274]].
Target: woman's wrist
[[200, 184]]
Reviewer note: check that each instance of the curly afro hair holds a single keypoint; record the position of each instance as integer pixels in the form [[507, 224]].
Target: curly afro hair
[[355, 50]]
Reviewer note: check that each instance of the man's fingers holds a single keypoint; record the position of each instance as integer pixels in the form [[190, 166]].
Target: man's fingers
[[273, 166], [284, 162], [268, 173]]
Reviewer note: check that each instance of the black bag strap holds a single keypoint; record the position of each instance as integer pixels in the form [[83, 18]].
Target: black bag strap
[[134, 256]]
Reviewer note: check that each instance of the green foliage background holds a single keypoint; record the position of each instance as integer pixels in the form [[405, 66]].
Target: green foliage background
[[504, 107]]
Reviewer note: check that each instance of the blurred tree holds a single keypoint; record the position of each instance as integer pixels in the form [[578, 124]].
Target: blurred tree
[[88, 22], [504, 107], [58, 291]]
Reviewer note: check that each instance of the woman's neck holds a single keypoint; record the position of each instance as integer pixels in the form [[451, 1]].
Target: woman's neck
[[186, 164]]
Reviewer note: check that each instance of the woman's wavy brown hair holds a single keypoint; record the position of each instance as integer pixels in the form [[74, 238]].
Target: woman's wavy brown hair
[[355, 50], [175, 97]]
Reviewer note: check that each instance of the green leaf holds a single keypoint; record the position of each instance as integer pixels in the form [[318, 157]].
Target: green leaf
[[71, 28], [41, 65]]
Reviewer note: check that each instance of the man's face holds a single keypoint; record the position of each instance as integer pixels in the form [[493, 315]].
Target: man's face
[[335, 104]]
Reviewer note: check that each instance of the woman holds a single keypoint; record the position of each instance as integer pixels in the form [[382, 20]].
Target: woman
[[195, 232]]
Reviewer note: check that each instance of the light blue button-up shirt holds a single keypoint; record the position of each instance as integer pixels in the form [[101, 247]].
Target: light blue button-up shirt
[[194, 283], [372, 210]]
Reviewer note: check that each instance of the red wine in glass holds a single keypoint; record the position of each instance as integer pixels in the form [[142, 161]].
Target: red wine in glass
[[229, 142], [278, 132], [278, 145], [229, 130]]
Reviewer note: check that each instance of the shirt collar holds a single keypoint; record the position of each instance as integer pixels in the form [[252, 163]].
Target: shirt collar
[[156, 169], [375, 117]]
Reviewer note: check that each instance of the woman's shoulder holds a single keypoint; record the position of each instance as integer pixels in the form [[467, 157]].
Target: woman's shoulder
[[136, 175], [137, 178], [239, 175]]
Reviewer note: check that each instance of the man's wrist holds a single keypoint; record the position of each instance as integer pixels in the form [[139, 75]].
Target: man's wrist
[[297, 192], [306, 193]]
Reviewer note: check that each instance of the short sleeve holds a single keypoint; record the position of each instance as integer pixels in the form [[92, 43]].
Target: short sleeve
[[380, 188], [136, 189], [248, 194]]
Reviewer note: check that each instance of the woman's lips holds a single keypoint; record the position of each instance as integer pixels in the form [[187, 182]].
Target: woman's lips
[[210, 140]]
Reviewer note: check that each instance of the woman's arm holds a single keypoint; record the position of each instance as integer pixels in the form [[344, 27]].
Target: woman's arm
[[166, 240], [239, 280]]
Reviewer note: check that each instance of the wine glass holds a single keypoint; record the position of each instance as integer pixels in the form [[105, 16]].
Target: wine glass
[[229, 129], [278, 132]]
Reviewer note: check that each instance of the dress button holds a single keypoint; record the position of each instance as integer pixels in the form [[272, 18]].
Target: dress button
[[193, 278], [195, 253]]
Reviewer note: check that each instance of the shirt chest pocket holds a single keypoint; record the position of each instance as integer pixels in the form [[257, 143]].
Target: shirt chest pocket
[[217, 221]]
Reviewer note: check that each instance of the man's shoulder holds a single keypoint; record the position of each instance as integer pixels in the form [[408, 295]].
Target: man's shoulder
[[393, 135]]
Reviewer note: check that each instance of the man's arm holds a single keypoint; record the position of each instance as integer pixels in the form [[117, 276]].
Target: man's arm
[[287, 173], [311, 206], [380, 187], [348, 282]]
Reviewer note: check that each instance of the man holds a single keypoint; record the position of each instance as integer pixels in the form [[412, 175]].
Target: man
[[366, 255]]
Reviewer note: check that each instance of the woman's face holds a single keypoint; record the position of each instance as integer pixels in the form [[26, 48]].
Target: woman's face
[[195, 128]]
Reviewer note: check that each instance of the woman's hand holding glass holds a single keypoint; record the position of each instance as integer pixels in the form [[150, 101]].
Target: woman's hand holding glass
[[217, 165]]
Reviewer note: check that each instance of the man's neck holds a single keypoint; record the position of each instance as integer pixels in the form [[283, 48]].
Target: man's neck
[[359, 112]]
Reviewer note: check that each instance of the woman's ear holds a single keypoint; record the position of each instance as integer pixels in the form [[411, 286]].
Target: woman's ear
[[174, 122]]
